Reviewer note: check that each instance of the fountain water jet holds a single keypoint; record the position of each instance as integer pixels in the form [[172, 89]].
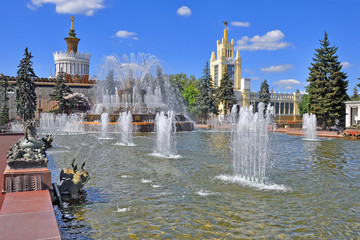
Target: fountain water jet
[[250, 142], [309, 126], [104, 124], [165, 128], [62, 122], [125, 128]]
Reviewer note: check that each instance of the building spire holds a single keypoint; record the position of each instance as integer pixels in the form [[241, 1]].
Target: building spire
[[213, 56], [225, 38], [72, 23], [72, 41], [72, 33], [237, 54]]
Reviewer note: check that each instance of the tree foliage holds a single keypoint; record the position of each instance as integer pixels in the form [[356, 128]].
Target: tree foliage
[[60, 91], [110, 83], [304, 105], [327, 85], [206, 102], [187, 88], [189, 95], [355, 96], [264, 94], [225, 93], [25, 100], [4, 88]]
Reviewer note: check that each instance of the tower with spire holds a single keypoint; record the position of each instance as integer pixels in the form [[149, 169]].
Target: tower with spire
[[71, 62], [226, 61]]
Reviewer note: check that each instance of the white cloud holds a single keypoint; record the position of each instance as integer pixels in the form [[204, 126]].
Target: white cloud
[[255, 78], [346, 64], [184, 11], [86, 7], [126, 34], [287, 83], [240, 24], [270, 41], [278, 68], [248, 71]]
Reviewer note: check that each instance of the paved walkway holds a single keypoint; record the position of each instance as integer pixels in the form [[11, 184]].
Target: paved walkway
[[28, 215], [289, 131], [24, 215], [319, 133]]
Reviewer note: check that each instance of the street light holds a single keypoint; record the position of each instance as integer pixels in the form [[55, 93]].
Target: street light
[[280, 100]]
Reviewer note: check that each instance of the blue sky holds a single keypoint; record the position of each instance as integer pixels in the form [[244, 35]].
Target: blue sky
[[276, 38]]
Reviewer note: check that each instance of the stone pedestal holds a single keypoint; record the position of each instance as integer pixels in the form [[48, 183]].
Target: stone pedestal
[[26, 179]]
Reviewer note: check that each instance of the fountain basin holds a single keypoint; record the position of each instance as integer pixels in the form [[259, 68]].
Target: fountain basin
[[138, 126], [141, 122]]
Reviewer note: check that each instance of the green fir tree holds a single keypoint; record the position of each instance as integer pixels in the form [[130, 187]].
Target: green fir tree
[[110, 83], [4, 89], [355, 96], [61, 90], [264, 94], [25, 99], [225, 93], [206, 102], [327, 85]]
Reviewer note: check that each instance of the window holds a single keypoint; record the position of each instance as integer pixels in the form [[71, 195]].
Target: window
[[231, 72], [286, 108], [216, 75]]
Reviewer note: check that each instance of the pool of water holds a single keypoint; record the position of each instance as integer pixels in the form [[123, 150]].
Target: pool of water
[[134, 194]]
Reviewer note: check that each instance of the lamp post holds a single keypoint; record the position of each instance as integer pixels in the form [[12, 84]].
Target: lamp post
[[252, 102], [280, 101]]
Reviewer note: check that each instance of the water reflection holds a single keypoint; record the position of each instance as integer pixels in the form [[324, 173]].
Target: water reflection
[[134, 195]]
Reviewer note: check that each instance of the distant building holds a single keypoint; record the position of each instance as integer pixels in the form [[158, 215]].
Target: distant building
[[225, 60], [71, 61], [352, 113], [74, 64]]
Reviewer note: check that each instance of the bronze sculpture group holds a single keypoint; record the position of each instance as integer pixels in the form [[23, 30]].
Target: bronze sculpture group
[[29, 152]]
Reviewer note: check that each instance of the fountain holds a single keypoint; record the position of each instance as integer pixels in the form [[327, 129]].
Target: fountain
[[139, 86], [164, 129], [309, 126], [104, 124], [250, 142], [71, 123], [150, 197], [125, 128]]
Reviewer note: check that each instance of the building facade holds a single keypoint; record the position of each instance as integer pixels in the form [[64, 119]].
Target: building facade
[[226, 61], [352, 113], [75, 67]]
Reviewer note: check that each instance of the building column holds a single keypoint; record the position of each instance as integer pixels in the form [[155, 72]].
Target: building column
[[348, 117]]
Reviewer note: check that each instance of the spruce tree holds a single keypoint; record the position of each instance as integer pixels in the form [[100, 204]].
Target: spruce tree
[[225, 93], [25, 100], [355, 95], [61, 90], [327, 85], [110, 83], [264, 94], [4, 88], [206, 102]]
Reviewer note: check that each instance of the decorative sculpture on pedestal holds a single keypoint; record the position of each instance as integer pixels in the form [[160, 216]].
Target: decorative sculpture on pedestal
[[47, 141], [28, 151], [73, 180]]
